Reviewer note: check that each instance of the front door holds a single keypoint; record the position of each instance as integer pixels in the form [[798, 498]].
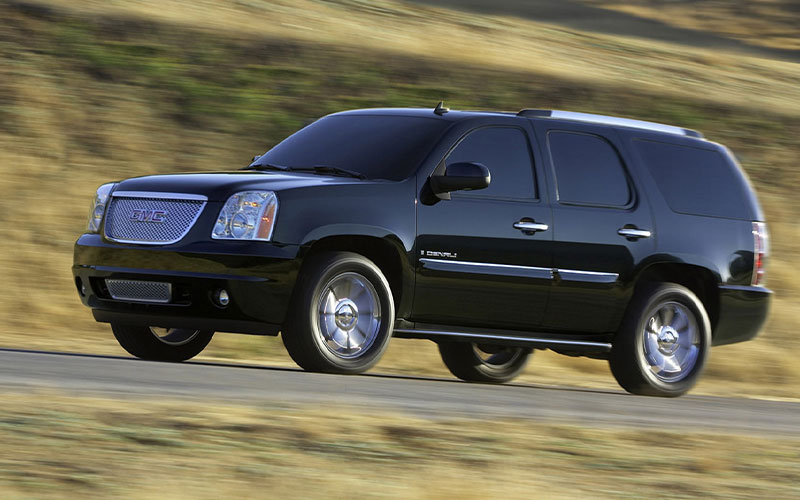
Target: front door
[[484, 256]]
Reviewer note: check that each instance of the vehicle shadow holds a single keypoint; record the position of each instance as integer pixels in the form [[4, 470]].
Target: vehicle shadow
[[251, 366]]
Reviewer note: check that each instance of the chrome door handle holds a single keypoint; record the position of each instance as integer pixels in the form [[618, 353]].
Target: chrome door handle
[[530, 226], [631, 232]]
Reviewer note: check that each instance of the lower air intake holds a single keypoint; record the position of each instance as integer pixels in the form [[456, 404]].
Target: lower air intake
[[140, 291]]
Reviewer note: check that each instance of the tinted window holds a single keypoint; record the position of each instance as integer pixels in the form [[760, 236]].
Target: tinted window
[[588, 170], [505, 152], [697, 181], [378, 146]]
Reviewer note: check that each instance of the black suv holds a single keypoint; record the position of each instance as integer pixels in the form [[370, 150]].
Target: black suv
[[491, 234]]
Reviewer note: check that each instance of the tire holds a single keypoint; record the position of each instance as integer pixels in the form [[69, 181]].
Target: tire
[[663, 344], [473, 362], [341, 316], [161, 344]]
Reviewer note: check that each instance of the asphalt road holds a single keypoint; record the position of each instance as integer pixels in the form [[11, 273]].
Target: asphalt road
[[113, 376]]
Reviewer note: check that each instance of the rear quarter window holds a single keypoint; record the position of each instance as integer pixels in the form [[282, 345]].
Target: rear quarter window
[[697, 181]]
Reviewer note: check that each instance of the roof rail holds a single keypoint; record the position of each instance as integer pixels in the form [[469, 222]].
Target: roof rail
[[609, 120]]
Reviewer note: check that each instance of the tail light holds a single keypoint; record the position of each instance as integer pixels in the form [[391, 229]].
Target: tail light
[[760, 252]]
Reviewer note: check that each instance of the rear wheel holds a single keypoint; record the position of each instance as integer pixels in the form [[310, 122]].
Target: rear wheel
[[341, 317], [161, 344], [474, 362], [663, 344]]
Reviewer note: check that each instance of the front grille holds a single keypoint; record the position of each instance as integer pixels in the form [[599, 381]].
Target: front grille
[[147, 219], [139, 291]]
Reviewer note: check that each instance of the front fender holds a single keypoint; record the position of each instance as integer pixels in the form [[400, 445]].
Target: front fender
[[348, 229], [374, 209]]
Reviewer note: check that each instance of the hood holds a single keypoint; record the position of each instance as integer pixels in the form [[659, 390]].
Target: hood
[[218, 186]]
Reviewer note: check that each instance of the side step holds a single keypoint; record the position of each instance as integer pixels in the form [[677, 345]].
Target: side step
[[571, 343]]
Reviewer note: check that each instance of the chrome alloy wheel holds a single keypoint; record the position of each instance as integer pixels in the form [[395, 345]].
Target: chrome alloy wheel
[[348, 315], [497, 356], [671, 342], [174, 336]]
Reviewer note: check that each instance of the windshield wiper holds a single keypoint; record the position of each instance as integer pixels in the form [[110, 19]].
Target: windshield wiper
[[328, 169], [267, 166], [321, 169]]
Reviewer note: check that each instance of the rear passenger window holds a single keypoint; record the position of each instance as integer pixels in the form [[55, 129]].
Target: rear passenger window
[[505, 152], [588, 170], [696, 181]]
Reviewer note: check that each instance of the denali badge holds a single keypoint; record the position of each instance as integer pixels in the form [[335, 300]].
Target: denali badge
[[432, 253], [142, 215]]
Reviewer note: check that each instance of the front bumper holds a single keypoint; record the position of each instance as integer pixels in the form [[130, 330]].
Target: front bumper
[[259, 278], [743, 310]]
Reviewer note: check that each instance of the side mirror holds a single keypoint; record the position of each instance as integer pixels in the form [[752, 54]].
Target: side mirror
[[461, 176]]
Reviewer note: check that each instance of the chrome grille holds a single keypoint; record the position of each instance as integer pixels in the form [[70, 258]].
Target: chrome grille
[[130, 217], [139, 291]]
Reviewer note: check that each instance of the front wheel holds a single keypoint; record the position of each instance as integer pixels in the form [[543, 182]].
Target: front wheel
[[161, 344], [663, 344], [341, 316], [483, 362]]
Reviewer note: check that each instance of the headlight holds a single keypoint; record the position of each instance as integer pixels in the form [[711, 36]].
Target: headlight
[[99, 207], [249, 215]]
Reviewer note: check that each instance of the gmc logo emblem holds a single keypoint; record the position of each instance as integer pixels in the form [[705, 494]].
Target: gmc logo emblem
[[142, 215]]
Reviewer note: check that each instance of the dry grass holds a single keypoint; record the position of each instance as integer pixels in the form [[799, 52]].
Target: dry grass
[[765, 23], [82, 447], [113, 91], [503, 42]]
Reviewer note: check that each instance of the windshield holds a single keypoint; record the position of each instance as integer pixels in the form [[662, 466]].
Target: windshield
[[377, 146]]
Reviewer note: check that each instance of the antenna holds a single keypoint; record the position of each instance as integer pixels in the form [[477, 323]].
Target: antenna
[[440, 109]]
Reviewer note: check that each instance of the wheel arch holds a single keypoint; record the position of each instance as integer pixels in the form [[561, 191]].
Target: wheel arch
[[386, 252], [700, 280]]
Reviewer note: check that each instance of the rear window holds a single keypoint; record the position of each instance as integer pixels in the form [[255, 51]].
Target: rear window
[[588, 170], [697, 181]]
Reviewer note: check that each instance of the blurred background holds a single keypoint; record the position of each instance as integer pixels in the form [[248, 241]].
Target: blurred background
[[93, 91]]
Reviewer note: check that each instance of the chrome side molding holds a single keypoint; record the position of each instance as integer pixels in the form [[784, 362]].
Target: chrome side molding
[[461, 266], [586, 276], [487, 268]]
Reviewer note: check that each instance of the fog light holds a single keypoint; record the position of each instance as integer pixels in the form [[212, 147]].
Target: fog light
[[81, 287], [222, 297]]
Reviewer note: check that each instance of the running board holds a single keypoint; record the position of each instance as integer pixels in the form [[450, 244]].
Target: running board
[[557, 344]]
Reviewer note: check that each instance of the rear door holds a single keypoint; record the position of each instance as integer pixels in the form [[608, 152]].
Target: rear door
[[477, 266], [602, 226]]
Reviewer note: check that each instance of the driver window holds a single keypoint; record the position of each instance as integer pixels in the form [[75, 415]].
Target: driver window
[[506, 153]]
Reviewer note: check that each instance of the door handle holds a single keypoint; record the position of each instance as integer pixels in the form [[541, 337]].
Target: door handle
[[633, 233], [530, 227]]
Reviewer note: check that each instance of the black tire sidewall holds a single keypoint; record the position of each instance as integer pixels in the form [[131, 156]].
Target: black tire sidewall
[[463, 362], [632, 351], [141, 342], [326, 268], [504, 372]]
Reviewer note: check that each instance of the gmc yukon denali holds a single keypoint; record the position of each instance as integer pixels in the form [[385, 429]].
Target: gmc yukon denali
[[489, 233]]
